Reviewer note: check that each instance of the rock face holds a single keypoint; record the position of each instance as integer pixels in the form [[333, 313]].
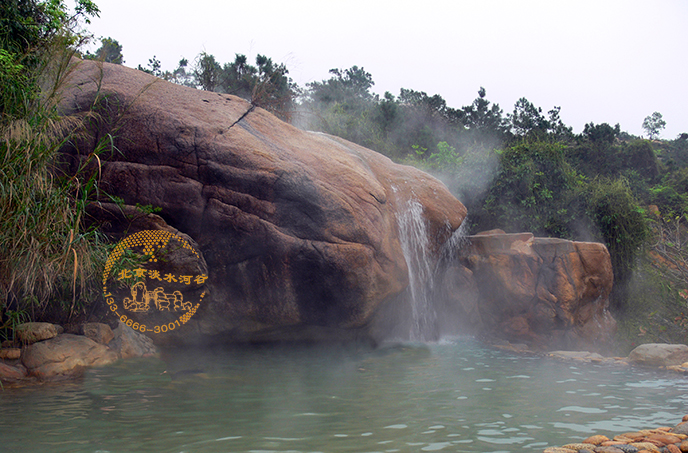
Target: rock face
[[98, 332], [547, 293], [128, 343], [298, 229]]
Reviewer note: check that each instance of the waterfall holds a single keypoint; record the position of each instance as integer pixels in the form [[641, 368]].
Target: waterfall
[[415, 244], [422, 301]]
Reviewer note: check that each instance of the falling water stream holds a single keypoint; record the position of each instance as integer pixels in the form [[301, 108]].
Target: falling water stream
[[413, 236]]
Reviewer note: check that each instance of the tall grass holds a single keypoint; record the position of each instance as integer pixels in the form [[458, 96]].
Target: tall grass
[[49, 259]]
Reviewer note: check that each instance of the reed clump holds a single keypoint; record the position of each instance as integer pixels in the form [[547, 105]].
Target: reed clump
[[48, 256]]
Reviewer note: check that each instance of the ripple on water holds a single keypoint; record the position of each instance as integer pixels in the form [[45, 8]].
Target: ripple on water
[[258, 399]]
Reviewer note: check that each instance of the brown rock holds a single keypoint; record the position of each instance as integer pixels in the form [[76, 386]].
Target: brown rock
[[31, 332], [658, 354], [544, 292], [608, 450], [65, 355], [577, 447], [129, 343], [671, 448], [558, 450], [11, 373], [632, 436], [664, 438], [685, 418], [596, 440], [683, 446], [10, 353], [645, 446], [98, 332], [611, 443], [298, 229], [681, 428]]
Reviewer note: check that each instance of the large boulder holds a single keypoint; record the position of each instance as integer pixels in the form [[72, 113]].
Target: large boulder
[[547, 293], [64, 356], [298, 229], [659, 354]]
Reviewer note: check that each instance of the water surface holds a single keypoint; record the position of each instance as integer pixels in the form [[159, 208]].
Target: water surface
[[453, 396]]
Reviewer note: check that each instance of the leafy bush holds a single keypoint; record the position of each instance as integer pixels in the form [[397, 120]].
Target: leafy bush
[[535, 190], [622, 226]]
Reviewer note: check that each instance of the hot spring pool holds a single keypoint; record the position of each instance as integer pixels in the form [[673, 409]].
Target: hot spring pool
[[454, 396]]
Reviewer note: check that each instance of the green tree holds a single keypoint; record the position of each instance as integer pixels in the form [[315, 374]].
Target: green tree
[[207, 72], [110, 51], [274, 90], [485, 120], [623, 228], [180, 75], [349, 88], [153, 67], [30, 31], [653, 125], [535, 190], [239, 77], [527, 119]]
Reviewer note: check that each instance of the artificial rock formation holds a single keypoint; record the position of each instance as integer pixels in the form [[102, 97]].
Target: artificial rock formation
[[547, 293], [298, 229]]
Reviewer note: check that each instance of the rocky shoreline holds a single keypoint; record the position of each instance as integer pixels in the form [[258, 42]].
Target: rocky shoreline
[[49, 354], [663, 440]]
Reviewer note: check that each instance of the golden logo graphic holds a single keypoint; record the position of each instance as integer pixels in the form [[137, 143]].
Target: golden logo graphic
[[160, 260]]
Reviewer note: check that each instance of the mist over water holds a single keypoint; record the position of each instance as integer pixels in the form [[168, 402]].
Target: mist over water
[[454, 395]]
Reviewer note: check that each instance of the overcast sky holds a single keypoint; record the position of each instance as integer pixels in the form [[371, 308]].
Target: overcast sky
[[613, 61]]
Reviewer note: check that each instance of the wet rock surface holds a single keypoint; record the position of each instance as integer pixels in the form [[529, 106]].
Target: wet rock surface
[[663, 440]]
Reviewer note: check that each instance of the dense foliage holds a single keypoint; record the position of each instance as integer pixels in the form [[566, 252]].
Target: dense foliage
[[46, 254]]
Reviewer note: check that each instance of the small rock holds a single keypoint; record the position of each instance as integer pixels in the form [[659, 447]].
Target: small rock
[[65, 355], [627, 448], [11, 373], [681, 428], [685, 418], [576, 447], [608, 450], [683, 446], [664, 439], [98, 332], [558, 450], [31, 332], [645, 446], [130, 343], [10, 353], [671, 448], [596, 440]]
